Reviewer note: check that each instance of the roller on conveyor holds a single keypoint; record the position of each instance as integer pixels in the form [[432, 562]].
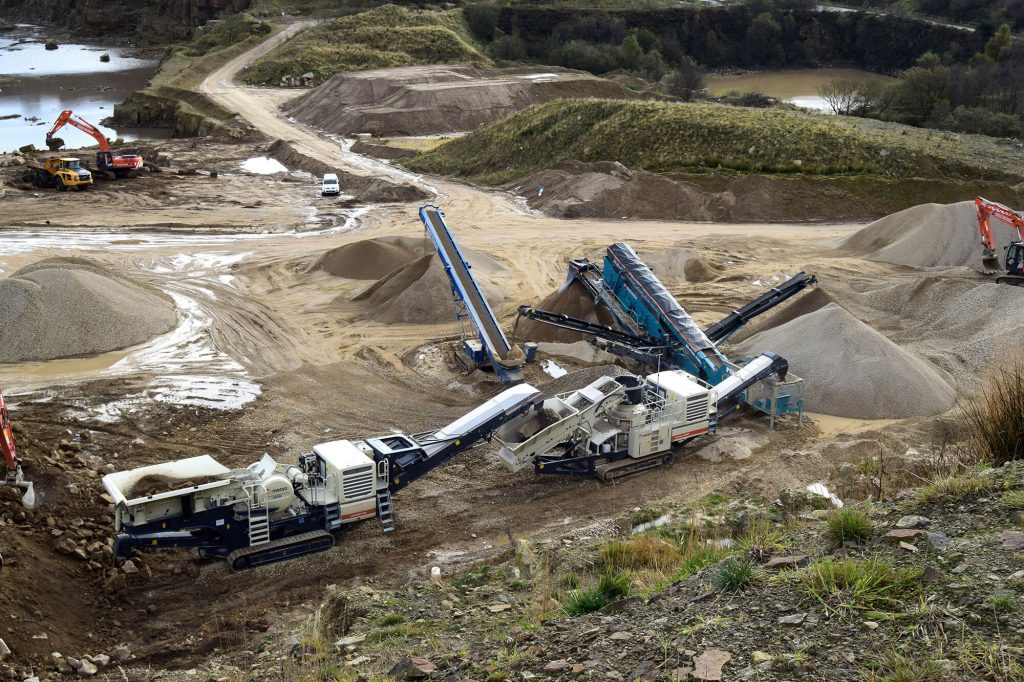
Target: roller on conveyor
[[490, 345]]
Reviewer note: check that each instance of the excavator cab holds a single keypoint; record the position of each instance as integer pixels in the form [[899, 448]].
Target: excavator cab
[[1015, 259]]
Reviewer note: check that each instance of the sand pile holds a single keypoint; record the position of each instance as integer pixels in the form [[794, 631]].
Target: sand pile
[[929, 235], [606, 189], [803, 303], [373, 258], [419, 291], [364, 189], [574, 301], [65, 307], [852, 370], [423, 100]]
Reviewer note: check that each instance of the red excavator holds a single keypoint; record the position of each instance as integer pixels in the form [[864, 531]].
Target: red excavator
[[14, 477], [1014, 263], [121, 163]]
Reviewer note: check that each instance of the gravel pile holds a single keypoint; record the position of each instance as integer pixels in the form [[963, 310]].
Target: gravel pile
[[925, 236], [66, 307], [852, 370], [419, 292]]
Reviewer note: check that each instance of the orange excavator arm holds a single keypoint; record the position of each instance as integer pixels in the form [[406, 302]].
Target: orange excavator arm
[[7, 437], [67, 117], [988, 210]]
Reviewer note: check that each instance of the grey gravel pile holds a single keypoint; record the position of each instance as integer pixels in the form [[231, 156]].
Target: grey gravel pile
[[65, 307], [926, 236], [852, 370]]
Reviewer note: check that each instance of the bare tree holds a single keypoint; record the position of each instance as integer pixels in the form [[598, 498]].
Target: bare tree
[[851, 97]]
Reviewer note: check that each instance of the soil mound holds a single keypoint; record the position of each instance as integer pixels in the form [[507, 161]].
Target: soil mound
[[574, 301], [65, 307], [680, 264], [420, 100], [604, 189], [419, 291], [925, 236], [364, 189], [852, 370], [801, 304], [372, 258]]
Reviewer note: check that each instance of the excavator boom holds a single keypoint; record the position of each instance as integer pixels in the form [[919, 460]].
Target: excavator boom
[[107, 159], [14, 476]]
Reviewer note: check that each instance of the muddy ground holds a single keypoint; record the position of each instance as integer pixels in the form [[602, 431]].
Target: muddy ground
[[272, 354]]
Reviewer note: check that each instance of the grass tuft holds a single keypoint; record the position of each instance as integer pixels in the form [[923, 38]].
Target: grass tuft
[[1013, 500], [610, 586], [640, 553], [994, 420], [848, 524], [734, 575], [899, 668], [954, 488], [853, 584]]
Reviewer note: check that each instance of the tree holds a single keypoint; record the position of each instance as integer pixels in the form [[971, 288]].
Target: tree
[[764, 36], [999, 42], [688, 80], [482, 18], [848, 97], [630, 53]]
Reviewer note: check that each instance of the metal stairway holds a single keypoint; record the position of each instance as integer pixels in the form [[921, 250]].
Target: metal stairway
[[333, 512], [385, 510], [259, 514]]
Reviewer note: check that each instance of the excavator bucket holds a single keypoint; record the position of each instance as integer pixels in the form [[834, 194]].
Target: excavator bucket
[[54, 143], [29, 498], [990, 263]]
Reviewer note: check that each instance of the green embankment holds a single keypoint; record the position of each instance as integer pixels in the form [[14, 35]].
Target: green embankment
[[668, 137], [171, 98], [383, 37]]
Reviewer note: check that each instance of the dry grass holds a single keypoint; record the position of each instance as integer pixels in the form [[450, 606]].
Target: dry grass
[[954, 488], [994, 420], [640, 553]]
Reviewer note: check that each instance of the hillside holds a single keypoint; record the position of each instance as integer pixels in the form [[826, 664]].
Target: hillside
[[378, 38], [666, 137]]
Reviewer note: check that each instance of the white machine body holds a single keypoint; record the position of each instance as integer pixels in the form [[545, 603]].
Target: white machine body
[[607, 417]]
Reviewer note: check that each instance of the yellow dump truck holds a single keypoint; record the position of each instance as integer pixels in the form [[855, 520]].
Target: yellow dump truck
[[61, 173]]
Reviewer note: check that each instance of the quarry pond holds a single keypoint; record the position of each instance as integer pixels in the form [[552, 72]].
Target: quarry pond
[[796, 86], [36, 84]]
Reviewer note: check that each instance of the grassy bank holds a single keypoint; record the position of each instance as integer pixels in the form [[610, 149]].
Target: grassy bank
[[171, 98], [666, 137], [384, 37]]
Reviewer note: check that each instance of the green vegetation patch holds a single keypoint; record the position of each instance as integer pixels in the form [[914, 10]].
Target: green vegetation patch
[[853, 584], [383, 37], [676, 137], [848, 524]]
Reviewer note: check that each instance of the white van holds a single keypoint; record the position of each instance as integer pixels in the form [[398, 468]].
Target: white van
[[329, 185]]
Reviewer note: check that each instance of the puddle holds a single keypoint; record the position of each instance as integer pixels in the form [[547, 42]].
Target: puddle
[[262, 165], [822, 490]]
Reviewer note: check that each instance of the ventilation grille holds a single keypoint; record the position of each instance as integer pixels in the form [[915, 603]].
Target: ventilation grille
[[697, 408], [357, 483]]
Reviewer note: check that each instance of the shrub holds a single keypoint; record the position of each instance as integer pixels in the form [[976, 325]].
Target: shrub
[[848, 524], [734, 575], [983, 121], [855, 585], [994, 420]]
